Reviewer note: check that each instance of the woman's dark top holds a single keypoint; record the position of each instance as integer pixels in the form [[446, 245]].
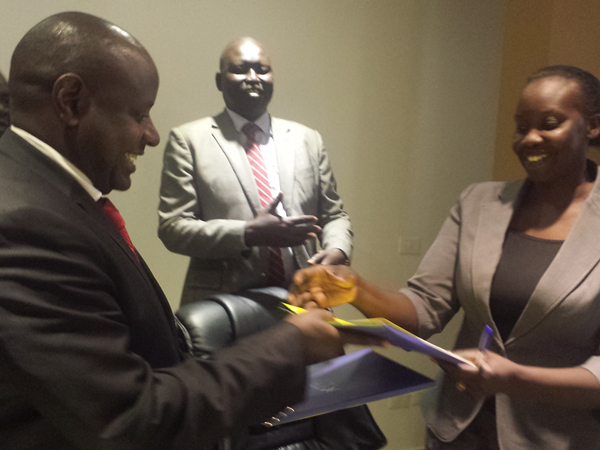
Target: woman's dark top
[[523, 262]]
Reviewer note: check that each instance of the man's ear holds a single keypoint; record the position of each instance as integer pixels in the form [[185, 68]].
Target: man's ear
[[71, 98], [218, 81], [593, 126]]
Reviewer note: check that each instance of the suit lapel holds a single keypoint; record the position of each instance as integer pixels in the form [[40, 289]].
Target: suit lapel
[[227, 138], [94, 210], [102, 223], [159, 292], [494, 219], [50, 171], [286, 159], [578, 255], [88, 210]]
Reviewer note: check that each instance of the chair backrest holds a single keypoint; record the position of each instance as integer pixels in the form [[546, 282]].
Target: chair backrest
[[220, 319], [217, 321]]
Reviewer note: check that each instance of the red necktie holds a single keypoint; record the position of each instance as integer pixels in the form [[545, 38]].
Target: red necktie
[[259, 169], [113, 214]]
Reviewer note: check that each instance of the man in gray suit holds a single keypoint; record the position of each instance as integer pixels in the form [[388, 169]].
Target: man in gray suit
[[245, 194]]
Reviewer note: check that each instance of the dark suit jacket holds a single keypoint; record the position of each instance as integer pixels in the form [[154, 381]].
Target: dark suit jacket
[[88, 347]]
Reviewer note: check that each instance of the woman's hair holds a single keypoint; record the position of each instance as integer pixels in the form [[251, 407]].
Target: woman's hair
[[588, 83]]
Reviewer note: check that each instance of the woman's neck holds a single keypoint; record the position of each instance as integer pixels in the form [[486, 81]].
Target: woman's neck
[[549, 210]]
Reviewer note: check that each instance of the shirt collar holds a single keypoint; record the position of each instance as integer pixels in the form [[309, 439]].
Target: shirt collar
[[59, 159], [263, 122]]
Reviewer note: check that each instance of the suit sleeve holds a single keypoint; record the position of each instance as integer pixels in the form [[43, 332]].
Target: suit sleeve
[[335, 222], [65, 347], [181, 227], [432, 290]]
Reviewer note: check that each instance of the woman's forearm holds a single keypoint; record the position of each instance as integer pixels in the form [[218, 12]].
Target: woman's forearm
[[573, 387], [394, 306]]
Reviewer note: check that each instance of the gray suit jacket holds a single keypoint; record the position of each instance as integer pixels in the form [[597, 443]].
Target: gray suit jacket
[[208, 192], [560, 326]]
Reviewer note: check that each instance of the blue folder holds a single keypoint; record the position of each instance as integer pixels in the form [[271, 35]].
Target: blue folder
[[350, 380]]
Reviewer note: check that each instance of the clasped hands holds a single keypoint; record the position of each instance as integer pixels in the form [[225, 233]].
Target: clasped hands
[[323, 287]]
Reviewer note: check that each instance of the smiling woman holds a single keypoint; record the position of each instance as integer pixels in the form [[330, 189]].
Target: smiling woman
[[551, 129], [557, 117], [521, 258]]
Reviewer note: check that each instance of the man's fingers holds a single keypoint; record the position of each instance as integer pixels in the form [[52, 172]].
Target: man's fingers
[[300, 277], [357, 338], [302, 299], [304, 230], [317, 258], [274, 203], [319, 296], [311, 304], [302, 220]]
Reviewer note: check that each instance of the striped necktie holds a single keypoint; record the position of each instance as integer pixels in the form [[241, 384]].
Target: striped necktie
[[259, 169]]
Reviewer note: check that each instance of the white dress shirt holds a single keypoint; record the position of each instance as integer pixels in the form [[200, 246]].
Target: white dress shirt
[[59, 159]]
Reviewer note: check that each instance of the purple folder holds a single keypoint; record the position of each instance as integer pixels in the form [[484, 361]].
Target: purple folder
[[354, 379]]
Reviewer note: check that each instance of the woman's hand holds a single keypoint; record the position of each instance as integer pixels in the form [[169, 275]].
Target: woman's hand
[[323, 286], [492, 373], [570, 387]]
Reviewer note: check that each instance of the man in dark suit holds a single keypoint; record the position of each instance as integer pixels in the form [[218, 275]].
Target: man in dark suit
[[90, 357], [244, 193], [4, 115]]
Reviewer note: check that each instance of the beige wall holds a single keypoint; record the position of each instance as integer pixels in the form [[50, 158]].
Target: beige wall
[[405, 93]]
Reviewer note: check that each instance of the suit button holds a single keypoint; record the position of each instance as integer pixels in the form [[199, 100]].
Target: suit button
[[263, 274]]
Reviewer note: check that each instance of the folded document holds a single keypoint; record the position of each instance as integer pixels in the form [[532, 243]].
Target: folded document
[[394, 334]]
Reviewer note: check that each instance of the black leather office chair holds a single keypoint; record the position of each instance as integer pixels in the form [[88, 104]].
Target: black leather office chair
[[219, 320]]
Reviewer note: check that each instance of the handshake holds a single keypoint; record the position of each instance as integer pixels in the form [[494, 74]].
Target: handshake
[[323, 286], [320, 287]]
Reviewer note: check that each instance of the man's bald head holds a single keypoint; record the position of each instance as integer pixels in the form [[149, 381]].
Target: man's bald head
[[4, 115], [70, 42], [234, 47]]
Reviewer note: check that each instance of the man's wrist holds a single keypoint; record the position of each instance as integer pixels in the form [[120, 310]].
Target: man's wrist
[[248, 234], [344, 260]]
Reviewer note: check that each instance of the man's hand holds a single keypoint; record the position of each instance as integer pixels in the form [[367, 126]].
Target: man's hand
[[323, 286], [329, 257], [272, 230], [321, 340]]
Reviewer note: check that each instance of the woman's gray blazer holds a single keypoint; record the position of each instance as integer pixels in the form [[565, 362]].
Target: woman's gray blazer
[[560, 326]]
